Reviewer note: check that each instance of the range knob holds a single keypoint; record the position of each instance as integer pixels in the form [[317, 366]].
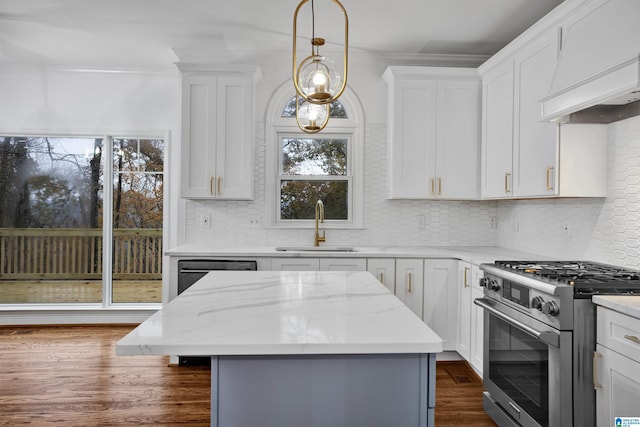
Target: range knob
[[494, 285], [537, 303], [491, 284], [551, 308]]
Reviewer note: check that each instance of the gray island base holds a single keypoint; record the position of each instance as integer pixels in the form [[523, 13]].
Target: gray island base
[[382, 390], [310, 349]]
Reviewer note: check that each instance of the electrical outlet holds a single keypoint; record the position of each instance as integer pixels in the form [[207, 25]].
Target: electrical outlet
[[205, 221], [493, 222], [420, 222], [254, 221], [566, 229], [515, 224]]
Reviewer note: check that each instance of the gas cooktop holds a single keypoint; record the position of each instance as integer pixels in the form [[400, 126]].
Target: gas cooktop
[[587, 278]]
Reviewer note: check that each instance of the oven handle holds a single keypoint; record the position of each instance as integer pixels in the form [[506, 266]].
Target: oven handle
[[547, 337]]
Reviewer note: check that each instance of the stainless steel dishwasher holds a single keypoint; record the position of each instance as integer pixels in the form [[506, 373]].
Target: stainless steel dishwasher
[[192, 270]]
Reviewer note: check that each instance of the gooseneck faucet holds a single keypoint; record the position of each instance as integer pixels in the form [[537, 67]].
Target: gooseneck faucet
[[319, 218]]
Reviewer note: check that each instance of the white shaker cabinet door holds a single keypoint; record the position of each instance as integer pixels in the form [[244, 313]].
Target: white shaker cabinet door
[[458, 140], [384, 269], [413, 138], [441, 299], [497, 134], [217, 136], [536, 142], [343, 264], [617, 386], [464, 321], [295, 264], [409, 283]]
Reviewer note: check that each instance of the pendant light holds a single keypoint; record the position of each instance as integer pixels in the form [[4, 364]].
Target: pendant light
[[316, 78], [311, 118]]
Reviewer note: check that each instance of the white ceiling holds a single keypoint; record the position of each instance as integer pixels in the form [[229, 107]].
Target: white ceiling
[[142, 33]]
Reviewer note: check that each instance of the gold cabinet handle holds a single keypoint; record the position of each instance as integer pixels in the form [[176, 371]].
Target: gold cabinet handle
[[211, 185], [409, 279], [433, 186], [506, 182], [466, 276], [596, 384], [219, 186], [381, 277], [633, 338], [549, 173], [439, 186]]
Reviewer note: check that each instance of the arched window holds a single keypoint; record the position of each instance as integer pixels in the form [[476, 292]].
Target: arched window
[[303, 168]]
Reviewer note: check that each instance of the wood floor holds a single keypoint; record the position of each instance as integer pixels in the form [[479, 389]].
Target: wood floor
[[70, 376]]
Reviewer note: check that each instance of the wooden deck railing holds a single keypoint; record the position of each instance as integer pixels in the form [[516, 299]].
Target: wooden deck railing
[[76, 253]]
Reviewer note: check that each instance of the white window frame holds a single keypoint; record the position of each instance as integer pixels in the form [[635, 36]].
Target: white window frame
[[350, 128], [107, 239]]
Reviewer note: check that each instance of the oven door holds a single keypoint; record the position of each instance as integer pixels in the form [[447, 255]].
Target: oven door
[[523, 370]]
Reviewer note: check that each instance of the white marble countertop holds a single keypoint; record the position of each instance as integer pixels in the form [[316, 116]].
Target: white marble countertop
[[629, 305], [473, 254], [264, 312]]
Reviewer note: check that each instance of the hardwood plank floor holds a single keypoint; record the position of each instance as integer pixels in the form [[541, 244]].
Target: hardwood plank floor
[[70, 375]]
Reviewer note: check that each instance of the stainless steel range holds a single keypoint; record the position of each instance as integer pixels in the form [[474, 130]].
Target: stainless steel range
[[539, 338]]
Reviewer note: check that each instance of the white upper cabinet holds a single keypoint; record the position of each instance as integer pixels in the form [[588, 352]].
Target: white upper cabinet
[[217, 133], [497, 132], [535, 146], [522, 155], [433, 129]]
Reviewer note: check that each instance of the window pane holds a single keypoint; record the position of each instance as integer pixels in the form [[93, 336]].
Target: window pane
[[336, 109], [314, 156], [144, 155], [137, 221], [50, 220], [298, 199]]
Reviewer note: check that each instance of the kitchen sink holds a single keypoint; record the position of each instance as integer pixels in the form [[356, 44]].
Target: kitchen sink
[[316, 249]]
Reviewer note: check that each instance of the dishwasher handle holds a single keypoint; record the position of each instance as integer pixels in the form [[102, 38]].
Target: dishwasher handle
[[547, 337], [188, 270]]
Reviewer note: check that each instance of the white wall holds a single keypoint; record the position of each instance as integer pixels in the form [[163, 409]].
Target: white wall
[[604, 230], [62, 100]]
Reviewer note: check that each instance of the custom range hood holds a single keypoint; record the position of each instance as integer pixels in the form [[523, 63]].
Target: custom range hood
[[597, 77]]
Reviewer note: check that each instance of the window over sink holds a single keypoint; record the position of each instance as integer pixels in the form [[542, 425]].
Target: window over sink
[[302, 168]]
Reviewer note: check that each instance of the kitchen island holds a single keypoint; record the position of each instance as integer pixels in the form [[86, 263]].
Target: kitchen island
[[300, 348]]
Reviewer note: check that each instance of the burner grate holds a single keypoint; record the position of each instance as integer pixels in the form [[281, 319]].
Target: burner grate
[[588, 278]]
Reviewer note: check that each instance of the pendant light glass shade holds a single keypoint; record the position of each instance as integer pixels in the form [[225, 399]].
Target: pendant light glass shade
[[311, 118], [316, 78]]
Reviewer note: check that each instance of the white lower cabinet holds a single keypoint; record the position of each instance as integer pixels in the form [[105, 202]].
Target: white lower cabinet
[[464, 321], [409, 283], [477, 321], [384, 269], [617, 366], [319, 264], [441, 299], [295, 264], [471, 319], [343, 264]]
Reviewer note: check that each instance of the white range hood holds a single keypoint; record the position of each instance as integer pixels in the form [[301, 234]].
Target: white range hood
[[599, 63]]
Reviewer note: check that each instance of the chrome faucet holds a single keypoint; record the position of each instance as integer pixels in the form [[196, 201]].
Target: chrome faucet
[[319, 218]]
